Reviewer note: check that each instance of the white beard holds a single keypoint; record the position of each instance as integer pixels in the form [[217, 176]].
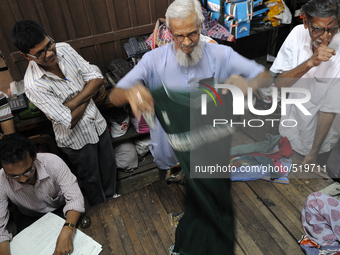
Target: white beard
[[192, 58]]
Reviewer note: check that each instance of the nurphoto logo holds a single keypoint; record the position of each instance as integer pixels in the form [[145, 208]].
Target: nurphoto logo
[[239, 104]]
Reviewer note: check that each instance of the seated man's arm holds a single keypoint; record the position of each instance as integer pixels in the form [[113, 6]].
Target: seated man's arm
[[321, 54], [325, 120], [64, 243], [7, 127], [75, 205], [4, 248], [5, 236]]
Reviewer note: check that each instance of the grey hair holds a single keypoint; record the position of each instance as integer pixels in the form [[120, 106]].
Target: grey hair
[[321, 9], [182, 9]]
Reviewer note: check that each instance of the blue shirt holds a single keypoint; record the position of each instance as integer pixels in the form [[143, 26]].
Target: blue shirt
[[49, 92], [218, 61]]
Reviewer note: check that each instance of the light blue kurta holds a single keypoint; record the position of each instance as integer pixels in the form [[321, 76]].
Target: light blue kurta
[[218, 61]]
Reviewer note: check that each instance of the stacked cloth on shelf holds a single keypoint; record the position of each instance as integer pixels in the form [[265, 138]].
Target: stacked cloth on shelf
[[320, 218], [267, 160]]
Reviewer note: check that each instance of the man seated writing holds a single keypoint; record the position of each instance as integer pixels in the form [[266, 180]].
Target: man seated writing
[[36, 183], [307, 61]]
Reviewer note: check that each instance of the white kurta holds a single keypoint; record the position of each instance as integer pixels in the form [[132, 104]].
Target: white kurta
[[323, 84]]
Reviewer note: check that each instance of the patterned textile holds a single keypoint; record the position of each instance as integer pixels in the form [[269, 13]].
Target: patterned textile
[[161, 35], [311, 248], [320, 218], [5, 110], [214, 29]]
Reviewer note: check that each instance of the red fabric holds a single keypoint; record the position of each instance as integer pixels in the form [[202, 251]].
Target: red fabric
[[285, 150]]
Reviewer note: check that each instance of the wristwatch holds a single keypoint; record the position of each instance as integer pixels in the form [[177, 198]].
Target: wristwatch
[[70, 225]]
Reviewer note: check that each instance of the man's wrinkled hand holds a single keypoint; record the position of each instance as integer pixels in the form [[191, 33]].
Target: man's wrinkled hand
[[323, 53], [140, 100], [64, 244], [237, 81]]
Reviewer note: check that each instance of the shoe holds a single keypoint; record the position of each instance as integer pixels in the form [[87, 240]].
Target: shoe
[[130, 170], [175, 174], [116, 196]]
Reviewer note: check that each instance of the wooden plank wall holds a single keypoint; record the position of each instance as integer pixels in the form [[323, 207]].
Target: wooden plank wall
[[97, 29]]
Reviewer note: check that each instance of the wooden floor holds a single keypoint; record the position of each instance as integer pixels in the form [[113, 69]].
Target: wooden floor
[[267, 216]]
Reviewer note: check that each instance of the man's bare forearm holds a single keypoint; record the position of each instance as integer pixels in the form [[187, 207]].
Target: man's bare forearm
[[4, 248], [288, 78], [64, 243], [90, 90], [118, 97], [77, 113], [137, 96], [264, 79]]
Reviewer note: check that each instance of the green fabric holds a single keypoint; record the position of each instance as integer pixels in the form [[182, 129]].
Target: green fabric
[[258, 147], [207, 225]]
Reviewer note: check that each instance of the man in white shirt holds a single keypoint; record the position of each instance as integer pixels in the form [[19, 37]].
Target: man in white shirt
[[36, 183], [306, 60], [62, 84]]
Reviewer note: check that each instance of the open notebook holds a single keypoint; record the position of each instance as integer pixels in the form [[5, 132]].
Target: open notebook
[[40, 239]]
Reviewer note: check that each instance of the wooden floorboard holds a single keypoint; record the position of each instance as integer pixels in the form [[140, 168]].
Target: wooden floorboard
[[278, 231], [267, 218]]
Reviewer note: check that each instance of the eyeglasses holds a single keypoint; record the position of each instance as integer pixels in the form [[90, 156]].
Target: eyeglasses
[[29, 171], [42, 54], [317, 31], [192, 36]]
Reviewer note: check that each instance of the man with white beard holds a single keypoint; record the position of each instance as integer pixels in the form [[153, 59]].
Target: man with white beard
[[170, 73], [179, 65]]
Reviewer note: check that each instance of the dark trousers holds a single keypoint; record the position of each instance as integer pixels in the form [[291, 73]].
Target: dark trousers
[[95, 167]]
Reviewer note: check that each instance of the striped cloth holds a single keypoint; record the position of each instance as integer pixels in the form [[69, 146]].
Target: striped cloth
[[49, 92], [5, 110], [55, 186]]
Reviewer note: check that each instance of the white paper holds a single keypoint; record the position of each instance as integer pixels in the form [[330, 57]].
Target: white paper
[[41, 237]]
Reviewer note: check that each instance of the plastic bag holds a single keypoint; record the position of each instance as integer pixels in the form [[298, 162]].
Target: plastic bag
[[118, 130], [278, 13], [126, 156], [142, 145]]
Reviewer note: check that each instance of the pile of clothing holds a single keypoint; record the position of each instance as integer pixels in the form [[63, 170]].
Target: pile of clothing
[[267, 160]]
